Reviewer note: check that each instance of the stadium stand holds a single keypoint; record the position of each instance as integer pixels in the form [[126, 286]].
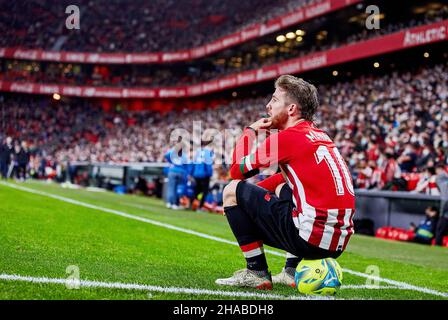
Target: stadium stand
[[40, 24], [390, 128], [254, 56]]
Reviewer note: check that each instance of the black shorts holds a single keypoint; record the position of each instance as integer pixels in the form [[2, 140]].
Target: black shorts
[[273, 218]]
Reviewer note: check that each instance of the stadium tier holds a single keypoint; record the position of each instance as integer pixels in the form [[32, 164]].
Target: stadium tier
[[305, 46], [208, 76], [38, 24]]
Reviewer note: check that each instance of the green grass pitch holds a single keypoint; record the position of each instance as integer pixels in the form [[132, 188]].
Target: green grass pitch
[[130, 247]]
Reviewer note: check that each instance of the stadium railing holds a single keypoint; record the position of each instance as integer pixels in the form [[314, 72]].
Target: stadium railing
[[392, 208]]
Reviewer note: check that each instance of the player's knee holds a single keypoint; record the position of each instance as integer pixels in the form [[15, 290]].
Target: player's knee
[[278, 189], [229, 193]]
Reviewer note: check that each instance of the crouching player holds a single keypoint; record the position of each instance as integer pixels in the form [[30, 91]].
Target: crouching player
[[307, 208]]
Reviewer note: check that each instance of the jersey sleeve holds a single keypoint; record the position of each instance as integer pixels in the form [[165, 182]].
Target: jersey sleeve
[[272, 182], [246, 164]]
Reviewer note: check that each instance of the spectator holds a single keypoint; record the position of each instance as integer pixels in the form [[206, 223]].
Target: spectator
[[364, 174], [424, 232], [427, 182], [408, 158], [6, 151], [141, 187], [392, 173], [22, 159]]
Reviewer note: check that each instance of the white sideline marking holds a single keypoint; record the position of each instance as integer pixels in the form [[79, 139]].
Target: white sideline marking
[[145, 287], [370, 287], [403, 285], [135, 286]]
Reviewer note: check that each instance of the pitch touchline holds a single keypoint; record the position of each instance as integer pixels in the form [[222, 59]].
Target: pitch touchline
[[176, 290], [196, 291], [145, 287], [404, 285], [370, 287]]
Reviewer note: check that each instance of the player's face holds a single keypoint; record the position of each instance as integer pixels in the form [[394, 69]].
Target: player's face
[[277, 109]]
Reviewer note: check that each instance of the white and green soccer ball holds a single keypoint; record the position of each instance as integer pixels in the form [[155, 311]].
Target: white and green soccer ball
[[318, 277]]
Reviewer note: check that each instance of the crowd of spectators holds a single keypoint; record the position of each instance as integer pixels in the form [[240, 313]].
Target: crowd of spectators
[[191, 72], [131, 26], [391, 129]]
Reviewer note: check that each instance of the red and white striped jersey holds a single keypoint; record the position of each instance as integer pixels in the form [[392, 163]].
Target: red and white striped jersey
[[312, 166]]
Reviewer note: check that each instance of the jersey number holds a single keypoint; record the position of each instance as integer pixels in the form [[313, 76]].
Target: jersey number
[[323, 153]]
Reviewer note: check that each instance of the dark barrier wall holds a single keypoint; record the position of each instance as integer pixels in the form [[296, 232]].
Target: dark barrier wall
[[384, 208], [393, 208]]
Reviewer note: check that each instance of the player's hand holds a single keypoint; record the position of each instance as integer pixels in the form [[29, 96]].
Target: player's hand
[[263, 123]]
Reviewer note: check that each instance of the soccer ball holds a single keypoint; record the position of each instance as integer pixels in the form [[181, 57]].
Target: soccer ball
[[318, 277]]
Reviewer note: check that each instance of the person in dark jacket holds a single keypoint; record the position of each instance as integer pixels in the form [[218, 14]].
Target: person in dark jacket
[[6, 152], [22, 160]]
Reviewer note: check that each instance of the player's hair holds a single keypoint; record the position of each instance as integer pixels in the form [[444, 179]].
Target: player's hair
[[301, 92]]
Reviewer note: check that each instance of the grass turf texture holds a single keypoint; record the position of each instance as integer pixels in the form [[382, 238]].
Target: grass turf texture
[[41, 236]]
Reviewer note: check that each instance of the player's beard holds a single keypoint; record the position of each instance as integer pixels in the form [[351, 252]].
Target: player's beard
[[279, 120]]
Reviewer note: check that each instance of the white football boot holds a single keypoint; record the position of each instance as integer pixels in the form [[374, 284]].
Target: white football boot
[[284, 278], [247, 278]]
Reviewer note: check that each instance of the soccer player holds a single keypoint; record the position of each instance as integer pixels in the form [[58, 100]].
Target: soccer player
[[307, 208]]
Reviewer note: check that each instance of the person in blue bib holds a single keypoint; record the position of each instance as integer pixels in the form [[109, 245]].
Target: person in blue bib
[[202, 171], [178, 172]]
